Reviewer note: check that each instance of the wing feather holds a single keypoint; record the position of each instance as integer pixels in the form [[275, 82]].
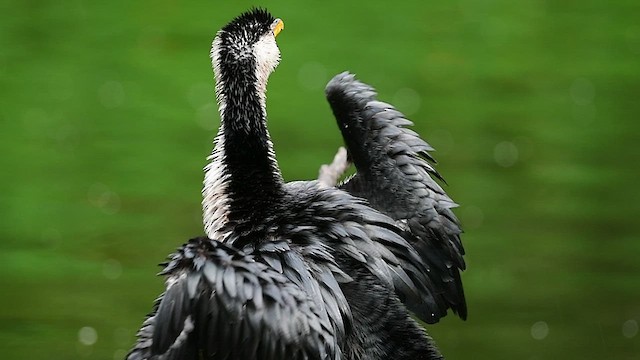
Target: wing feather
[[230, 305], [394, 174], [355, 231]]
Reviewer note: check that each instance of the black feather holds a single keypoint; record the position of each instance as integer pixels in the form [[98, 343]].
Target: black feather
[[394, 170]]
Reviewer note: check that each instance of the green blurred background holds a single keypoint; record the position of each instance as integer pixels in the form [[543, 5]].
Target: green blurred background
[[107, 114]]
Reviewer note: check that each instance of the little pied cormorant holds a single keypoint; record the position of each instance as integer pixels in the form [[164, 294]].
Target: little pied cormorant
[[287, 270]]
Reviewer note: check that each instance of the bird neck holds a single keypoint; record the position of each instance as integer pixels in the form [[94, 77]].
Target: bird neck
[[242, 181]]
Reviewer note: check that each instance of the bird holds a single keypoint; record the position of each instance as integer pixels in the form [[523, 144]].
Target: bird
[[286, 270], [395, 173]]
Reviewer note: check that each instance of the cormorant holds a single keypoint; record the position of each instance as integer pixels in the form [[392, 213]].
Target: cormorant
[[287, 270], [394, 170]]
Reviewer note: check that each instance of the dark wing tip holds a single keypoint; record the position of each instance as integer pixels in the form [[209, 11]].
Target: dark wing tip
[[339, 81], [345, 87]]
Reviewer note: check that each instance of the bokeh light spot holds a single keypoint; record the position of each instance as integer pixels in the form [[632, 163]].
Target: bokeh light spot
[[505, 154], [201, 94], [100, 196], [87, 336], [630, 328], [582, 91], [312, 76], [112, 269], [407, 101], [539, 330]]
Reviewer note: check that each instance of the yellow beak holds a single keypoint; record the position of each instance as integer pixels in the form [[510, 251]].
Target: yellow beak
[[278, 27]]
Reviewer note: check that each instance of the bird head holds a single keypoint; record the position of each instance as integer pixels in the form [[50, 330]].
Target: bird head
[[247, 46]]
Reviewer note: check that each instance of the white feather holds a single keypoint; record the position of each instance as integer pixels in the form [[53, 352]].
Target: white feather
[[215, 200]]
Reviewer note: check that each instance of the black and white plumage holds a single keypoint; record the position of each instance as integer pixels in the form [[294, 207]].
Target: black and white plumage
[[287, 270], [394, 174], [222, 301]]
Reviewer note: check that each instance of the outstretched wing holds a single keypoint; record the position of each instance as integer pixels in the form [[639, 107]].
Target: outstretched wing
[[222, 304], [394, 173]]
